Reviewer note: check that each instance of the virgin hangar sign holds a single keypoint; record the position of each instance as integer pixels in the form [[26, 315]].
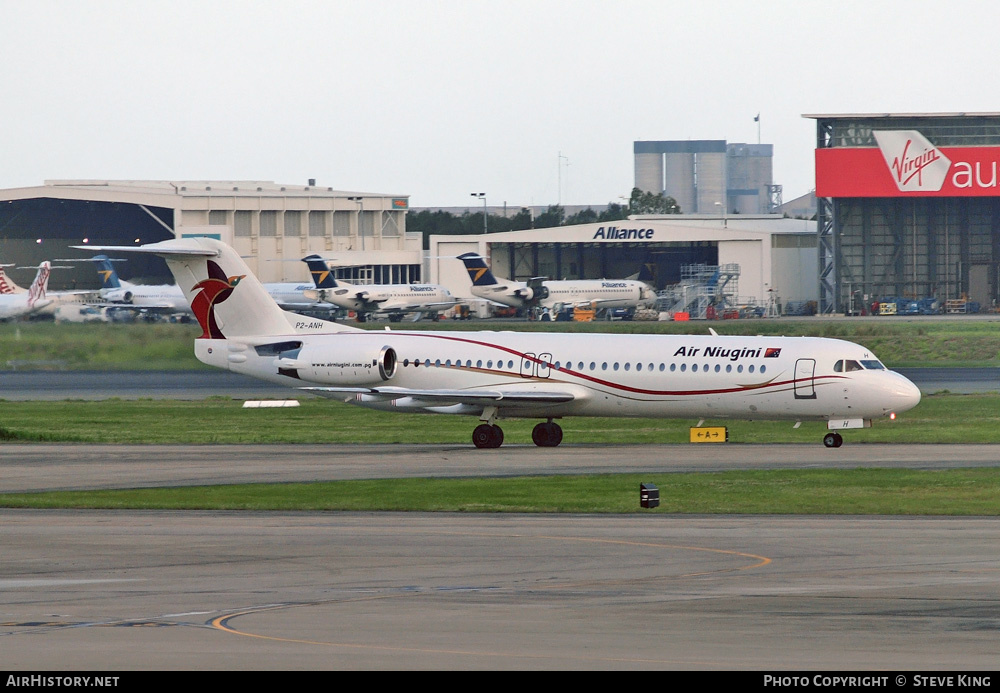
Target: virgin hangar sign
[[906, 164]]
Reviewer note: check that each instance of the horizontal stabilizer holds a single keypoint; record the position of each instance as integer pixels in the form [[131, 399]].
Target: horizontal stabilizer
[[176, 248]]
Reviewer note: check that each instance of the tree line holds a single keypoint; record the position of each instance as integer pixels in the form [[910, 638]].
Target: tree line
[[429, 223]]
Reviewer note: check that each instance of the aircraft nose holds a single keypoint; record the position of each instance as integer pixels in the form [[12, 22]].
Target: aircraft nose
[[905, 394]]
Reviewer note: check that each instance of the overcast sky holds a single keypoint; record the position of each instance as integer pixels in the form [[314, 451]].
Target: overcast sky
[[532, 102]]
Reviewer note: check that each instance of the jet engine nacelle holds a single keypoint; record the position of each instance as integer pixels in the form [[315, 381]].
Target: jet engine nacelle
[[358, 365], [525, 294], [119, 296]]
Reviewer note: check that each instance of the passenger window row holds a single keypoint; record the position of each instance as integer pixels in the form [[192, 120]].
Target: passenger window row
[[683, 367]]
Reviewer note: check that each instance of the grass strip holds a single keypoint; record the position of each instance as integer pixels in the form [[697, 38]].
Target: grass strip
[[862, 491]]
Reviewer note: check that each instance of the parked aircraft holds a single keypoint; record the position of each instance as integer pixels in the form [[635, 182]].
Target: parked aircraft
[[142, 297], [169, 297], [365, 299], [292, 295], [16, 305], [549, 293], [497, 375], [54, 300]]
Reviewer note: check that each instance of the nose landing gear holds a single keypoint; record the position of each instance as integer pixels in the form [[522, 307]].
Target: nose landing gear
[[833, 440]]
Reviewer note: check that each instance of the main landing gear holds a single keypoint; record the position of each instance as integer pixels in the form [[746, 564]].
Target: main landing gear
[[833, 440], [544, 435], [487, 436], [547, 435]]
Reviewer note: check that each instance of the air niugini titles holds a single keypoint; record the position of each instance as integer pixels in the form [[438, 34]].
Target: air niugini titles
[[731, 354]]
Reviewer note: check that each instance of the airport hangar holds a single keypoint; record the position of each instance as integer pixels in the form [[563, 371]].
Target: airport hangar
[[776, 255], [272, 225], [908, 207]]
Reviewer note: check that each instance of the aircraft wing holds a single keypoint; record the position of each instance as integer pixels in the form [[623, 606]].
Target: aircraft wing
[[439, 398], [138, 307]]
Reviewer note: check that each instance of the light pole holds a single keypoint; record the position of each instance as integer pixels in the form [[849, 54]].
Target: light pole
[[361, 208], [725, 220], [482, 196]]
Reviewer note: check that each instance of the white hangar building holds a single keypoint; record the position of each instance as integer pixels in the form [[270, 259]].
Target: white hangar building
[[774, 254], [266, 222]]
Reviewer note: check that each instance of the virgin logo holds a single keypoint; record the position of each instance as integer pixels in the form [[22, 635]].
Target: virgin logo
[[915, 163]]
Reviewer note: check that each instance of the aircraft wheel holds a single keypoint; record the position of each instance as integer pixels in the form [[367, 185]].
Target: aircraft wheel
[[547, 435], [833, 440], [482, 436], [487, 436]]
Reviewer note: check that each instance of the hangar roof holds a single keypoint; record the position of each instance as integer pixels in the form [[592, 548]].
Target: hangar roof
[[158, 192]]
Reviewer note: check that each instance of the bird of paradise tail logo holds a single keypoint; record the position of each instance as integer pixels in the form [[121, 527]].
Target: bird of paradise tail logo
[[211, 292]]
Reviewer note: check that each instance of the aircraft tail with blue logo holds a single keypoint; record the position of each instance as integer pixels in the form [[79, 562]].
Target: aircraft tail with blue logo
[[320, 271], [107, 273], [479, 271]]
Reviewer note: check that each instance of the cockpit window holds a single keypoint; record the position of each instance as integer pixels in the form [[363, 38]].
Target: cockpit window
[[851, 365], [873, 365]]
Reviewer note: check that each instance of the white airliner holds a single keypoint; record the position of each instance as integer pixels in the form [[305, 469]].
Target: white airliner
[[16, 305], [497, 375], [120, 293], [549, 293], [365, 299]]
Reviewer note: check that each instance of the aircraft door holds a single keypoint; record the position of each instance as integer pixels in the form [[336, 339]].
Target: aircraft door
[[536, 366], [544, 363], [805, 372]]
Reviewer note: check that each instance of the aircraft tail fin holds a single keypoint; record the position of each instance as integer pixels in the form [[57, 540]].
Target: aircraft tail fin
[[479, 271], [225, 296], [320, 271], [7, 285], [36, 292], [107, 273], [647, 273]]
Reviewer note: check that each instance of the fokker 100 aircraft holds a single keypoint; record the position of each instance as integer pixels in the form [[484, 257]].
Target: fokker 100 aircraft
[[498, 375], [547, 293]]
